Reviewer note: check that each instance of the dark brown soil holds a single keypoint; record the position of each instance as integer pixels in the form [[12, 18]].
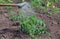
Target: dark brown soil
[[10, 29]]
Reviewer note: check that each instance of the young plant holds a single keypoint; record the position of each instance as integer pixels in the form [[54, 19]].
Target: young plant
[[33, 26]]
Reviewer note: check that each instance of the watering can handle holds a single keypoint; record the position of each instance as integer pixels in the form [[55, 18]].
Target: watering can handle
[[8, 5]]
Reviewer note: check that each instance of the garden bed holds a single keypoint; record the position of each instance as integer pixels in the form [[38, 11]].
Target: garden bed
[[10, 29]]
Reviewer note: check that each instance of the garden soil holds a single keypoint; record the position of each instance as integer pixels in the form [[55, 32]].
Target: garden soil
[[10, 29]]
